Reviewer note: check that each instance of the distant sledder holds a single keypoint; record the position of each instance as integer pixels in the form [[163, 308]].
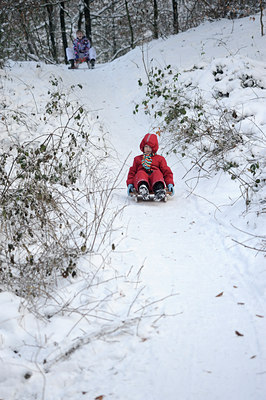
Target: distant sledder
[[81, 52], [150, 173]]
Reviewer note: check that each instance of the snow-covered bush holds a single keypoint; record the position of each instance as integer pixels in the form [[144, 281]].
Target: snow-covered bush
[[186, 122], [54, 198], [211, 130]]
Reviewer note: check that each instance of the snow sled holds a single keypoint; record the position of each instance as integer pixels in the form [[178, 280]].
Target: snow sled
[[91, 65], [75, 63], [151, 197]]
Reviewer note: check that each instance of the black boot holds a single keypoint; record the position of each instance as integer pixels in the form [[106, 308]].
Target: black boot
[[72, 64], [92, 61], [159, 191]]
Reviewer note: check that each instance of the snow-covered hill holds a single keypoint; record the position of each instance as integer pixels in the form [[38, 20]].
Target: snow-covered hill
[[175, 307]]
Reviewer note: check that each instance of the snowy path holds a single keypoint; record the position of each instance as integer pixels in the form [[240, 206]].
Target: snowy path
[[199, 350], [185, 253]]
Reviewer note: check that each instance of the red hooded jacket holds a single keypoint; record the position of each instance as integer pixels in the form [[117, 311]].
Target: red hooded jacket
[[158, 162]]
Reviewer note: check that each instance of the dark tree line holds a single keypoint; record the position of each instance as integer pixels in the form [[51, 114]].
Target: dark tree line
[[41, 30]]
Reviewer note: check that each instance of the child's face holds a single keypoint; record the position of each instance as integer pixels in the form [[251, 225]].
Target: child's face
[[147, 149], [80, 35]]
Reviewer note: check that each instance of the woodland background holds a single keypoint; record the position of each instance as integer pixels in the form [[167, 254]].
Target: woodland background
[[41, 30]]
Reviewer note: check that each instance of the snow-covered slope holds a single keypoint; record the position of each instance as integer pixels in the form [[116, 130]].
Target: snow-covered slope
[[178, 308]]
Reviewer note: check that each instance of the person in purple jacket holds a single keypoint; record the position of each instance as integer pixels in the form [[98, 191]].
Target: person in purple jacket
[[82, 51]]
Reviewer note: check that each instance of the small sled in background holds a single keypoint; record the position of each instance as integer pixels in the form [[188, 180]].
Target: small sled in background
[[76, 64], [90, 60], [151, 196]]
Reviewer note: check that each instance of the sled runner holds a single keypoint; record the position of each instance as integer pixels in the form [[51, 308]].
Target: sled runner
[[151, 197]]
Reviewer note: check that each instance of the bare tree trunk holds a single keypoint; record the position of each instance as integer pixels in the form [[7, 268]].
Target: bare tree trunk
[[130, 26], [32, 49], [63, 28], [175, 17], [81, 12], [87, 17], [155, 20], [261, 18], [114, 50], [50, 11]]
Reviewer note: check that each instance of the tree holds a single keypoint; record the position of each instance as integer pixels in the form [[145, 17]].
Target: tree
[[87, 17], [261, 20], [155, 20], [51, 29], [132, 44], [63, 28], [175, 17]]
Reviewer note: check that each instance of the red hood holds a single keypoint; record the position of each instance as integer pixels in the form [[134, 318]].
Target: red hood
[[151, 140]]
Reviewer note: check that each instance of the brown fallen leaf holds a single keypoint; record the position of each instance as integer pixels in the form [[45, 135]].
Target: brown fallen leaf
[[144, 339], [235, 286], [240, 304], [253, 357], [220, 294], [260, 316], [238, 333], [99, 397]]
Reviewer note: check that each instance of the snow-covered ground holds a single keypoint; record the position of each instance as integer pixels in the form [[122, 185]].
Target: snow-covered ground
[[178, 309]]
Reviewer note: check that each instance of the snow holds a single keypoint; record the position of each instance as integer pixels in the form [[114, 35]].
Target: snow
[[156, 316]]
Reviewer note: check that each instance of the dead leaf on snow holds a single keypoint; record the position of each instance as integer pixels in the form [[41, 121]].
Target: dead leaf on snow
[[253, 357], [220, 294], [99, 397], [260, 316], [238, 333]]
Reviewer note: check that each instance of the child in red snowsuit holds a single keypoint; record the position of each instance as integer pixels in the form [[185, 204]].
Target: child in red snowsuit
[[150, 171]]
